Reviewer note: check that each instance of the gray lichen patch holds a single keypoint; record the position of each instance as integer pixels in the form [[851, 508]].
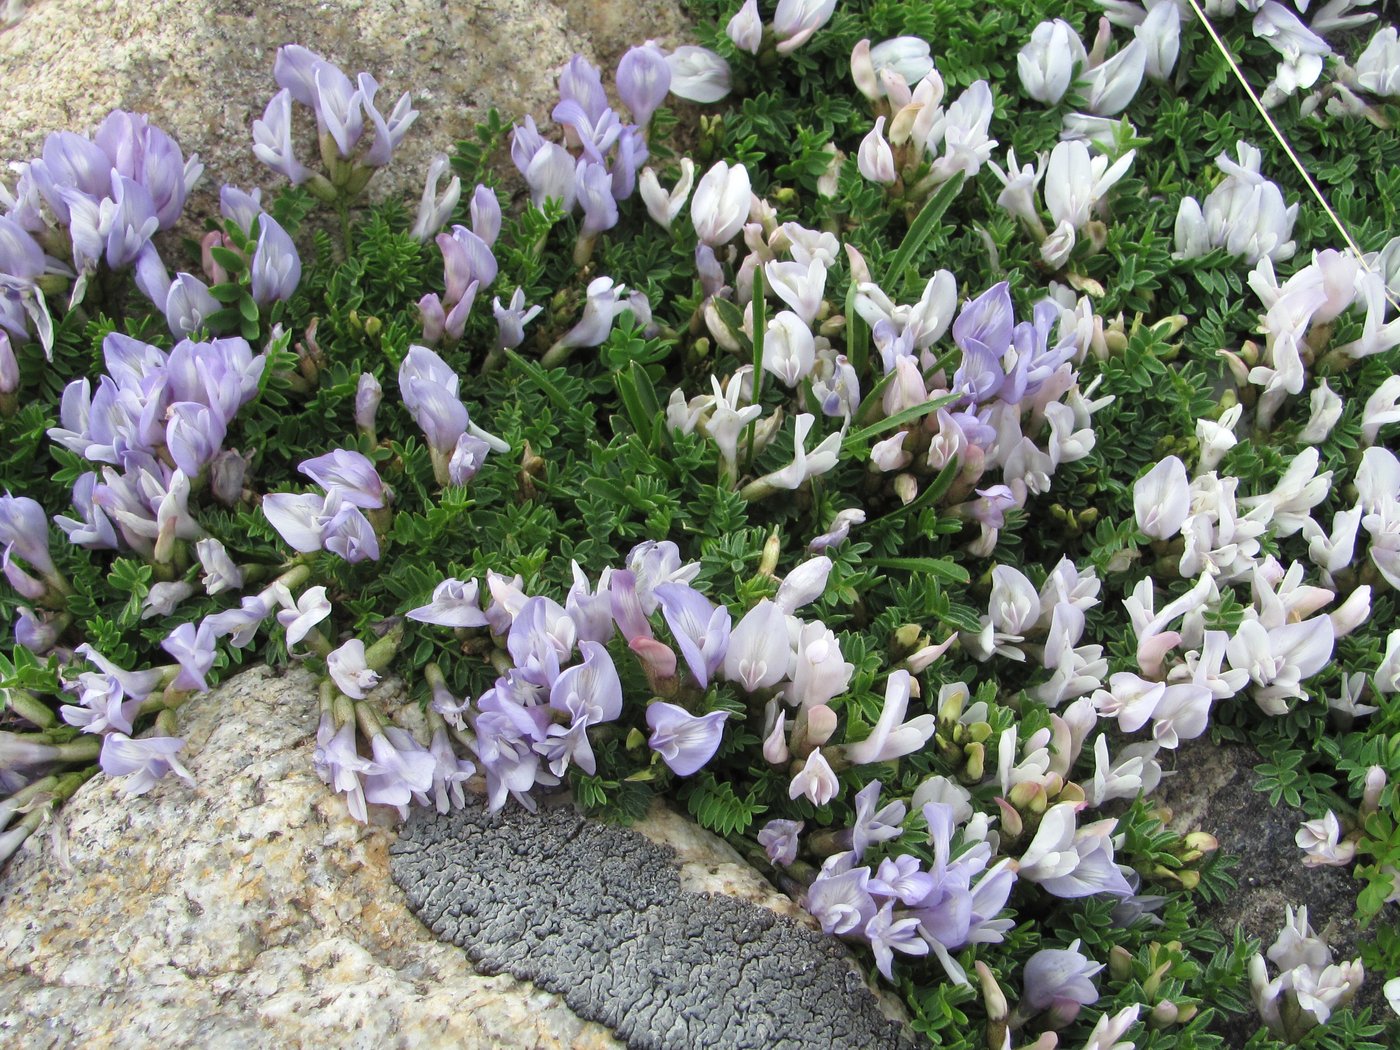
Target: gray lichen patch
[[597, 914]]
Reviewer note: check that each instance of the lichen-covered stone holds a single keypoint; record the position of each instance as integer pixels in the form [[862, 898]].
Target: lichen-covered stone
[[249, 910], [602, 915]]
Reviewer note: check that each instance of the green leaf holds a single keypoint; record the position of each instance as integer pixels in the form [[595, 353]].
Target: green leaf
[[856, 445], [536, 375], [942, 568], [229, 260], [920, 231]]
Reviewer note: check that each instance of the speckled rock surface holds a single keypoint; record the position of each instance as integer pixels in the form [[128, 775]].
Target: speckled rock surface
[[247, 911], [604, 916], [1213, 791], [202, 69]]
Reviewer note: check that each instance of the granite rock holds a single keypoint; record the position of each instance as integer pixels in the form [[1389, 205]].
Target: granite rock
[[248, 910], [202, 69]]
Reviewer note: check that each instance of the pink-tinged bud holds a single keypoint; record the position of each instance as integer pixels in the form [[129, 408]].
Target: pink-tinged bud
[[821, 723], [1371, 795], [863, 71], [775, 749], [368, 394], [216, 273], [9, 366]]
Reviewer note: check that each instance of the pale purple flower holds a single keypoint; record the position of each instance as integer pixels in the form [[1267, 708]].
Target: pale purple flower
[[745, 29], [794, 21], [429, 390], [220, 572], [188, 305], [580, 82], [388, 131], [888, 934], [105, 705], [276, 266], [1062, 979], [241, 625], [685, 741], [467, 459], [338, 762], [162, 598], [193, 649], [590, 691], [349, 671], [34, 633], [838, 531], [511, 320], [449, 773], [24, 528], [454, 604], [297, 517], [402, 768], [838, 898], [272, 139], [603, 304], [133, 221], [145, 760], [348, 472], [874, 825], [779, 838], [700, 628], [594, 193], [368, 394], [347, 531], [240, 208], [305, 613], [193, 435], [506, 734], [903, 878], [643, 79]]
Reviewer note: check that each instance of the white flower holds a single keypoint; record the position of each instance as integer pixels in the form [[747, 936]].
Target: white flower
[[1046, 64], [1109, 87], [662, 206], [1320, 839], [1075, 182], [1381, 409], [349, 671], [721, 203], [745, 29], [892, 736], [1325, 409], [698, 74], [1162, 499], [789, 351], [1160, 34], [875, 159], [1378, 67], [794, 21]]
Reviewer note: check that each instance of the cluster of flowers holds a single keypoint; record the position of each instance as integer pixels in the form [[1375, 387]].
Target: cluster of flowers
[[1309, 985], [344, 110], [93, 200], [533, 724], [1245, 214], [1298, 316], [927, 144]]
